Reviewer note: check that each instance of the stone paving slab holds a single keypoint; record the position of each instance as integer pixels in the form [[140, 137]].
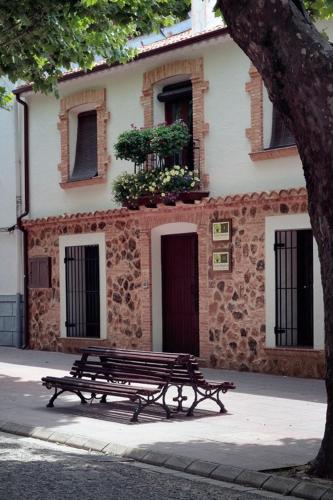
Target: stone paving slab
[[263, 429], [301, 489]]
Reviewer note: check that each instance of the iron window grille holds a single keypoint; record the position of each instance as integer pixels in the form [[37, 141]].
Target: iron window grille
[[82, 291], [294, 288]]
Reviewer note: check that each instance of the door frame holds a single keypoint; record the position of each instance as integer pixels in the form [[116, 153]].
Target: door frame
[[77, 240], [156, 269]]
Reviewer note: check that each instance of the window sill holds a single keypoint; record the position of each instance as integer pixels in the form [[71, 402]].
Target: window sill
[[82, 339], [99, 179], [267, 154], [291, 351]]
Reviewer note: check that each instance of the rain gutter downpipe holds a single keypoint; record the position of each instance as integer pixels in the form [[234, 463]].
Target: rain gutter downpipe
[[19, 224]]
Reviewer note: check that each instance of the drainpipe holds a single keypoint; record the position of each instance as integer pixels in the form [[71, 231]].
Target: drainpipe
[[19, 225]]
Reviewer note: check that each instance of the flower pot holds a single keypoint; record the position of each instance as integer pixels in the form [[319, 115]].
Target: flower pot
[[192, 196], [151, 201]]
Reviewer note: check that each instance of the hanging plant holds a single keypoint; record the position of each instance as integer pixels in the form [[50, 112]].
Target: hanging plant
[[163, 140], [168, 140]]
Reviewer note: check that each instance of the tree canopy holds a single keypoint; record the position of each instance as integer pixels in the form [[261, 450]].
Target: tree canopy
[[40, 39]]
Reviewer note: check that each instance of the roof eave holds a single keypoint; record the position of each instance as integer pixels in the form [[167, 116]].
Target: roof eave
[[143, 55]]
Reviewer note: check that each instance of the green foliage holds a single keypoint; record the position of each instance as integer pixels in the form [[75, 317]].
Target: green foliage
[[169, 139], [6, 98], [164, 140], [320, 9], [129, 187], [40, 39], [134, 145]]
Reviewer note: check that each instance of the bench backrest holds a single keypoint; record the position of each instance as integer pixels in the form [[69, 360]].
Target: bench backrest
[[143, 366], [122, 365]]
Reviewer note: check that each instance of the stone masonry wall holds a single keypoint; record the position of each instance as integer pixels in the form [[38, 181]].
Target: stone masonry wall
[[232, 305]]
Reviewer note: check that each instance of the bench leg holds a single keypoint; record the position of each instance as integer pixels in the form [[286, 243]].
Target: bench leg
[[212, 394], [143, 403], [57, 393], [54, 397], [103, 399], [179, 399], [83, 399]]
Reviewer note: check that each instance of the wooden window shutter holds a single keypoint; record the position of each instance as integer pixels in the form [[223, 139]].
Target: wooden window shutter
[[85, 165], [40, 272], [281, 135]]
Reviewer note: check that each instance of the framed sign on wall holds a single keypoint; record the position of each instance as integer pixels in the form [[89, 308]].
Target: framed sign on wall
[[222, 230], [222, 261]]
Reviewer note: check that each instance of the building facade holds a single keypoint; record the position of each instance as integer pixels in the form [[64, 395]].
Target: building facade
[[10, 238], [234, 277]]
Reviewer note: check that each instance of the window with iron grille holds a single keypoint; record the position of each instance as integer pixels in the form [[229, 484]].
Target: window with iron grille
[[294, 288], [82, 291]]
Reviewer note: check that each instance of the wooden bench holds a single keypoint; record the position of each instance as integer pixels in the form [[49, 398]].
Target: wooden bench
[[185, 372], [126, 374]]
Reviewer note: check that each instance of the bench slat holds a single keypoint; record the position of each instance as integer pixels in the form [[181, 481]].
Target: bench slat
[[99, 387]]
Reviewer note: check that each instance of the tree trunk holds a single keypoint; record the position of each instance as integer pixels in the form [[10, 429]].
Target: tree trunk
[[296, 62]]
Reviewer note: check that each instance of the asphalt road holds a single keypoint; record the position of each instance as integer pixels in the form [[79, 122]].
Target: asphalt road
[[36, 470]]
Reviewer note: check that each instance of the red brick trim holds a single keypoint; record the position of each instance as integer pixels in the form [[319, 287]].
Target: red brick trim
[[291, 352], [192, 68], [162, 209], [255, 133], [267, 154], [97, 100]]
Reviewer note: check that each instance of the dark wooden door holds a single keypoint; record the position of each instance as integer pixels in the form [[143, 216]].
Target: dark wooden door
[[180, 294]]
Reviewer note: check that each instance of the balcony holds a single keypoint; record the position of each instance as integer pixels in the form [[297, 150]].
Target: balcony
[[159, 155]]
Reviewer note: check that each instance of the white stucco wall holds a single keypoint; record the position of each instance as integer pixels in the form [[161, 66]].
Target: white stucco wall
[[9, 279], [227, 111]]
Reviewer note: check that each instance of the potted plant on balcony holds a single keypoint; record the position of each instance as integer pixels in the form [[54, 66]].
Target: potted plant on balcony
[[153, 182], [134, 145]]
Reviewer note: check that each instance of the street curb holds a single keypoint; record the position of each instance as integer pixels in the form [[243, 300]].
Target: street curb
[[308, 490]]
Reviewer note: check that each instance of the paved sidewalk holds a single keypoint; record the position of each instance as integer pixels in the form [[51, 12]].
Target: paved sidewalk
[[272, 421]]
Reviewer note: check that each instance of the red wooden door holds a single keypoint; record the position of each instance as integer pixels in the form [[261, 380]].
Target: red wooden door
[[180, 294]]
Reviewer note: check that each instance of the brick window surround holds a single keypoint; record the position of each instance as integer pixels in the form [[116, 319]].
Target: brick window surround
[[95, 99], [255, 133], [191, 69]]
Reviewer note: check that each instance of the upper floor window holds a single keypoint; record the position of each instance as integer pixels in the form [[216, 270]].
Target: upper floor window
[[281, 135], [83, 136], [268, 135], [186, 77], [177, 99], [85, 164]]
